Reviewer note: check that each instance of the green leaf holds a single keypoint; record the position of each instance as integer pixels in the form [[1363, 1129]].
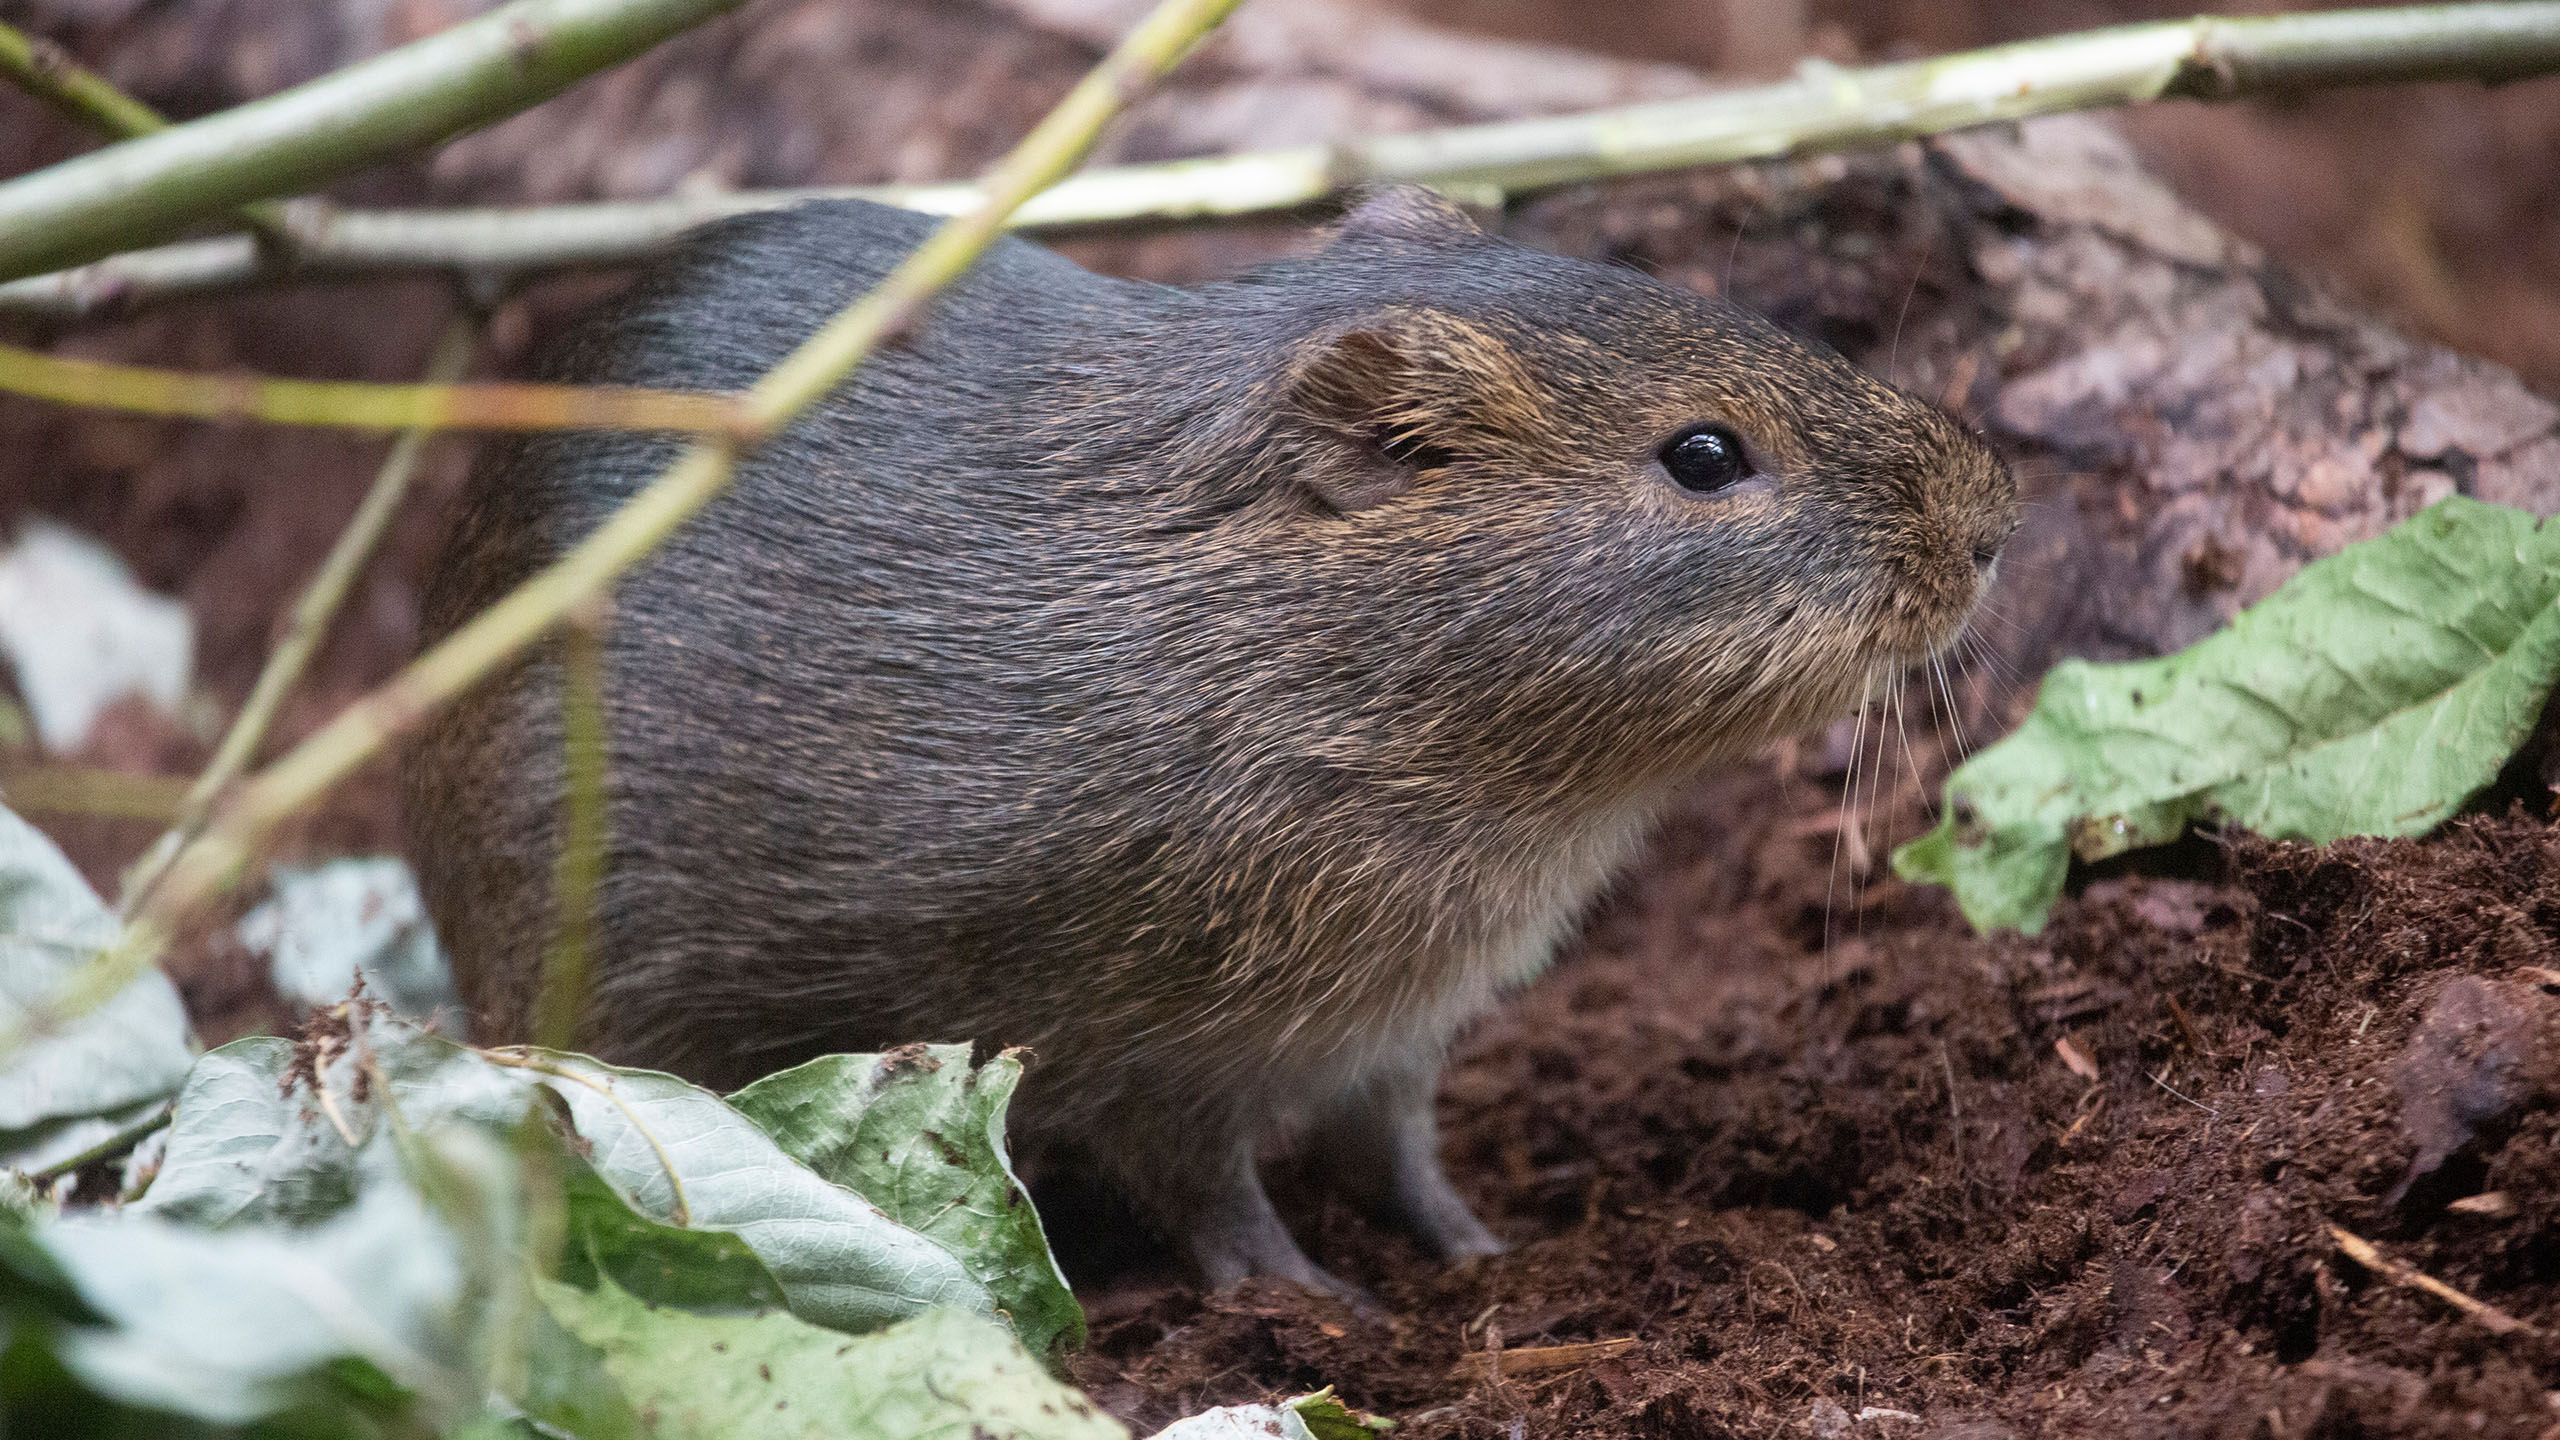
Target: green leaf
[[673, 1211], [919, 1132], [57, 1146], [131, 1050], [248, 1147], [565, 1383], [408, 1309], [229, 1326], [2373, 694], [707, 1271], [678, 1155], [33, 1282], [945, 1372], [253, 1142], [238, 1334], [502, 1198], [244, 1145]]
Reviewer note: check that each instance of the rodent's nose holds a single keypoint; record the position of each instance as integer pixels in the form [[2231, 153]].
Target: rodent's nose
[[1988, 542]]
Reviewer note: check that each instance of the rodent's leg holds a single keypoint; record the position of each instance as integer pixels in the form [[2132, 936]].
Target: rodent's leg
[[1229, 1231], [1206, 1195], [1384, 1141]]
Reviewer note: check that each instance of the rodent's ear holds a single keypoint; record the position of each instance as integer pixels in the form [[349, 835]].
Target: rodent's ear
[[1405, 392], [1408, 212]]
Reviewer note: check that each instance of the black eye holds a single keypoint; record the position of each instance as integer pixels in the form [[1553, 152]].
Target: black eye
[[1706, 458]]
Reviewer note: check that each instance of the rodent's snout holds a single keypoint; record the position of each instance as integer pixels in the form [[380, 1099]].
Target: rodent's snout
[[1989, 541], [1992, 517], [1967, 510]]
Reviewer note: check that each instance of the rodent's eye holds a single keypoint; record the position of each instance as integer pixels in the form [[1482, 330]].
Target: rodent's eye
[[1706, 459]]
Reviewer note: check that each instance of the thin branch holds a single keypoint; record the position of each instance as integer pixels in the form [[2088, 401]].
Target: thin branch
[[152, 188], [90, 790], [2487, 1316], [311, 616], [355, 405], [582, 827], [1537, 1359], [1827, 108], [1823, 108], [498, 634], [47, 71]]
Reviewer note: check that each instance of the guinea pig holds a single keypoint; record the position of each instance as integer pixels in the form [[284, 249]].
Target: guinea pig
[[1225, 692]]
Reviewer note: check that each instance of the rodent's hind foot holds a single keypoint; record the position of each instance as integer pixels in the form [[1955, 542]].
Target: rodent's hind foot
[[1437, 1217], [1237, 1235], [1383, 1145]]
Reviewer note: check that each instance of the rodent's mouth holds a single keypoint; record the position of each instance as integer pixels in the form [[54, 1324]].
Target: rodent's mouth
[[1926, 620]]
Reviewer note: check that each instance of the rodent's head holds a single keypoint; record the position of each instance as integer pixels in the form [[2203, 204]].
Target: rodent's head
[[1627, 508]]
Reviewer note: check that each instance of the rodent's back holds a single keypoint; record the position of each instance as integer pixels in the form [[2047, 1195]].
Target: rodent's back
[[735, 300]]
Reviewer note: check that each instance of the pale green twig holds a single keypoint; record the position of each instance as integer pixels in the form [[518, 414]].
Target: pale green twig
[[47, 71], [356, 405], [310, 624], [89, 790], [153, 187], [498, 634], [580, 869], [1824, 108], [1828, 108]]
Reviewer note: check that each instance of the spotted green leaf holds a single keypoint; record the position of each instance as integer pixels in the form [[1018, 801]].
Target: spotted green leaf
[[2372, 694]]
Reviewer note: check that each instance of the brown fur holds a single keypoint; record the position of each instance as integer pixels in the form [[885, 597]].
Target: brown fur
[[1226, 692]]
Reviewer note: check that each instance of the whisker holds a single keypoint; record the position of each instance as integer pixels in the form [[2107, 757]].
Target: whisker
[[2033, 504], [1840, 832], [1991, 611], [1979, 649], [1955, 712], [1862, 864], [1959, 655], [1910, 761], [1944, 697], [1893, 361]]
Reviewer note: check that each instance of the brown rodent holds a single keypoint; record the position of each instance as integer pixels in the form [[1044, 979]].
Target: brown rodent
[[1225, 692]]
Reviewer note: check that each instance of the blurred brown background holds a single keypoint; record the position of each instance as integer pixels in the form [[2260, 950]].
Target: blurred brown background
[[2438, 205]]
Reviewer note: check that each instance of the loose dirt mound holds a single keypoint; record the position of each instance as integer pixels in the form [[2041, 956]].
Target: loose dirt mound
[[1814, 1183]]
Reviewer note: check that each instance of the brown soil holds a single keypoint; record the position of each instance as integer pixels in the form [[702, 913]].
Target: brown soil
[[1810, 1182]]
